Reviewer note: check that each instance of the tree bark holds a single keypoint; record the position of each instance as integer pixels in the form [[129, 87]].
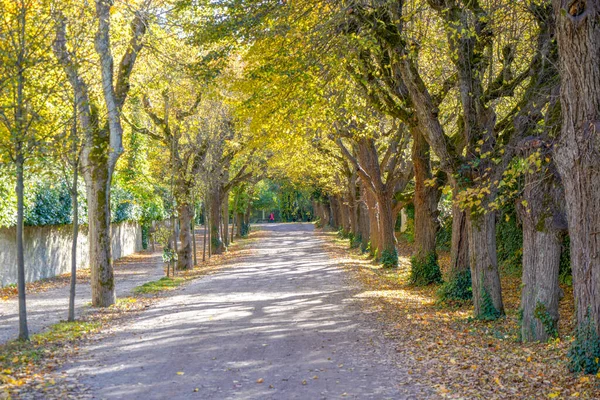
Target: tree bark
[[352, 204], [543, 225], [98, 180], [226, 219], [75, 206], [216, 240], [387, 222], [344, 213], [363, 217], [23, 329], [425, 200], [185, 259], [577, 154], [374, 232], [459, 252], [487, 293]]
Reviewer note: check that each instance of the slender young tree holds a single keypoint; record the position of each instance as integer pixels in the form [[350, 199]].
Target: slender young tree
[[24, 37]]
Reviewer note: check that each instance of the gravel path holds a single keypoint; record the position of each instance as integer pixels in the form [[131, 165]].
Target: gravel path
[[50, 307], [281, 323]]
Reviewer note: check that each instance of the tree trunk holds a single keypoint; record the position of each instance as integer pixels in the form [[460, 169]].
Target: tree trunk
[[205, 216], [344, 214], [577, 154], [193, 227], [487, 293], [75, 206], [352, 205], [335, 212], [459, 252], [226, 219], [374, 233], [98, 180], [247, 215], [426, 200], [387, 222], [216, 240], [23, 329], [185, 259], [240, 224], [363, 218]]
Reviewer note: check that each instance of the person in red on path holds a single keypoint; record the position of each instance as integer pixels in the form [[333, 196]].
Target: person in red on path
[[271, 217]]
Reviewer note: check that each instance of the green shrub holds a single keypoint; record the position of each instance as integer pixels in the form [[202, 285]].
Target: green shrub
[[389, 258], [356, 241], [425, 270], [548, 322], [457, 288], [584, 354]]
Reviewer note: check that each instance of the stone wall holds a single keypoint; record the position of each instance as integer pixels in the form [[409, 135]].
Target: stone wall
[[48, 249]]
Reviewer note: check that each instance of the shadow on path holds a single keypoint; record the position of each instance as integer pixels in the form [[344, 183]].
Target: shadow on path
[[284, 316]]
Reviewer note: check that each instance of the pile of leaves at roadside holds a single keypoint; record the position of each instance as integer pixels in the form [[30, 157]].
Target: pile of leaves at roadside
[[457, 356], [10, 292]]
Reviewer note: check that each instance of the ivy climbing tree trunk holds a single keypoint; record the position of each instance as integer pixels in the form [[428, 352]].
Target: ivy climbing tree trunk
[[577, 154]]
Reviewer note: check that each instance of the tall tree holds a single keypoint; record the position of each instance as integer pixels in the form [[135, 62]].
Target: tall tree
[[577, 154], [103, 131], [23, 40]]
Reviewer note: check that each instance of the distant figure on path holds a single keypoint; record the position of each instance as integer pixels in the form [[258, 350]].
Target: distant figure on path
[[271, 217]]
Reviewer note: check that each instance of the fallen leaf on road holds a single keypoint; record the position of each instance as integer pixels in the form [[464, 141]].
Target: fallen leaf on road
[[180, 373], [260, 380]]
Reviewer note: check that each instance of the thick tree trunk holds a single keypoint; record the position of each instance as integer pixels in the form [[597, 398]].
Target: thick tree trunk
[[363, 216], [335, 212], [226, 219], [247, 215], [185, 251], [240, 223], [487, 293], [540, 293], [98, 180], [23, 329], [459, 251], [344, 213], [387, 221], [352, 204], [75, 206], [216, 240], [426, 200], [577, 155], [544, 223], [374, 233], [193, 227]]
